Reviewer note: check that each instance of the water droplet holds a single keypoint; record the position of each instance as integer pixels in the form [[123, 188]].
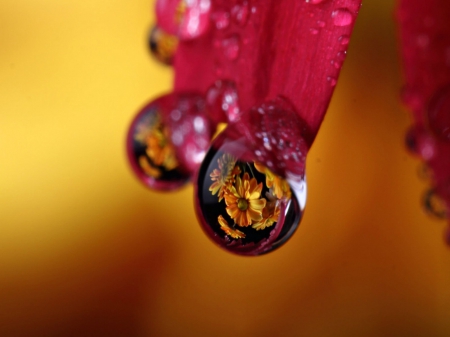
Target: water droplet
[[222, 102], [241, 13], [438, 114], [420, 143], [314, 31], [243, 206], [332, 81], [344, 40], [221, 19], [314, 2], [422, 40], [342, 17], [320, 24], [162, 45], [195, 19], [167, 141], [231, 47], [434, 205]]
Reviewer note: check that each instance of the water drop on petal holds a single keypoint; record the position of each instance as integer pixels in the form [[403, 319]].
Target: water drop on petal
[[162, 45], [438, 114], [195, 20], [241, 205], [221, 19], [342, 17], [344, 40], [168, 139], [240, 13], [434, 205], [231, 47], [222, 102]]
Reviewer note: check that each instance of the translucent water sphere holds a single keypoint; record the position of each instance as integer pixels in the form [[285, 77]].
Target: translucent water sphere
[[241, 204], [168, 139]]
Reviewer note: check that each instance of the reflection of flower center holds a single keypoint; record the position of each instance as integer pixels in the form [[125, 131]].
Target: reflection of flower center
[[242, 204]]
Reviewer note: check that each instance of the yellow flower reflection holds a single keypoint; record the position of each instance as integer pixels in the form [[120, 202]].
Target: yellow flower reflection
[[224, 176], [149, 169], [243, 201], [279, 185], [270, 213], [234, 233]]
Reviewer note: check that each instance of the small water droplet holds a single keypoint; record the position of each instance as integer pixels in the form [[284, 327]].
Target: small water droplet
[[438, 114], [434, 205], [222, 101], [342, 17], [332, 81], [314, 2], [162, 45], [320, 24], [314, 31], [231, 47], [241, 13], [422, 41], [195, 19], [420, 143], [221, 19], [344, 40]]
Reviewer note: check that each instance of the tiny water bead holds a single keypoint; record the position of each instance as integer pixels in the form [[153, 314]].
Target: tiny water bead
[[434, 205], [168, 139], [438, 115], [242, 205], [240, 13], [222, 101], [187, 19], [162, 45], [342, 17], [231, 47]]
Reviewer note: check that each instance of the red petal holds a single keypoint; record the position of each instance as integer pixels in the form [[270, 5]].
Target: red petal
[[290, 48]]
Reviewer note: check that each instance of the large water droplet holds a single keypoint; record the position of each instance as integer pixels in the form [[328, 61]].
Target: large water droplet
[[168, 139], [241, 12], [231, 47], [342, 17], [251, 191], [162, 45], [243, 206], [222, 102], [438, 114]]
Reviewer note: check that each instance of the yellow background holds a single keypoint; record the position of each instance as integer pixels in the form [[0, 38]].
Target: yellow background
[[85, 250]]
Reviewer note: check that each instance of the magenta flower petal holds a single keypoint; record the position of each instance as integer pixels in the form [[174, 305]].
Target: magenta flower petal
[[289, 48]]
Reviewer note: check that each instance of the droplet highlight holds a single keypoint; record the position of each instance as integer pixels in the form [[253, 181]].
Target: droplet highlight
[[342, 17]]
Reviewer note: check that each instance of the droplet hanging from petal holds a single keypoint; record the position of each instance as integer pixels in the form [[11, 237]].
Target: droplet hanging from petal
[[168, 139]]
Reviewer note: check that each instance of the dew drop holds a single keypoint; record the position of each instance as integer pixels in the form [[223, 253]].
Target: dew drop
[[320, 24], [167, 141], [241, 13], [314, 31], [222, 101], [420, 143], [332, 81], [438, 114], [221, 19], [245, 223], [162, 45], [231, 47], [314, 2], [434, 205], [342, 17], [344, 40], [195, 19]]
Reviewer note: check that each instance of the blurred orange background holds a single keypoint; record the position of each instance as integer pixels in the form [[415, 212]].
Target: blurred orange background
[[85, 250]]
